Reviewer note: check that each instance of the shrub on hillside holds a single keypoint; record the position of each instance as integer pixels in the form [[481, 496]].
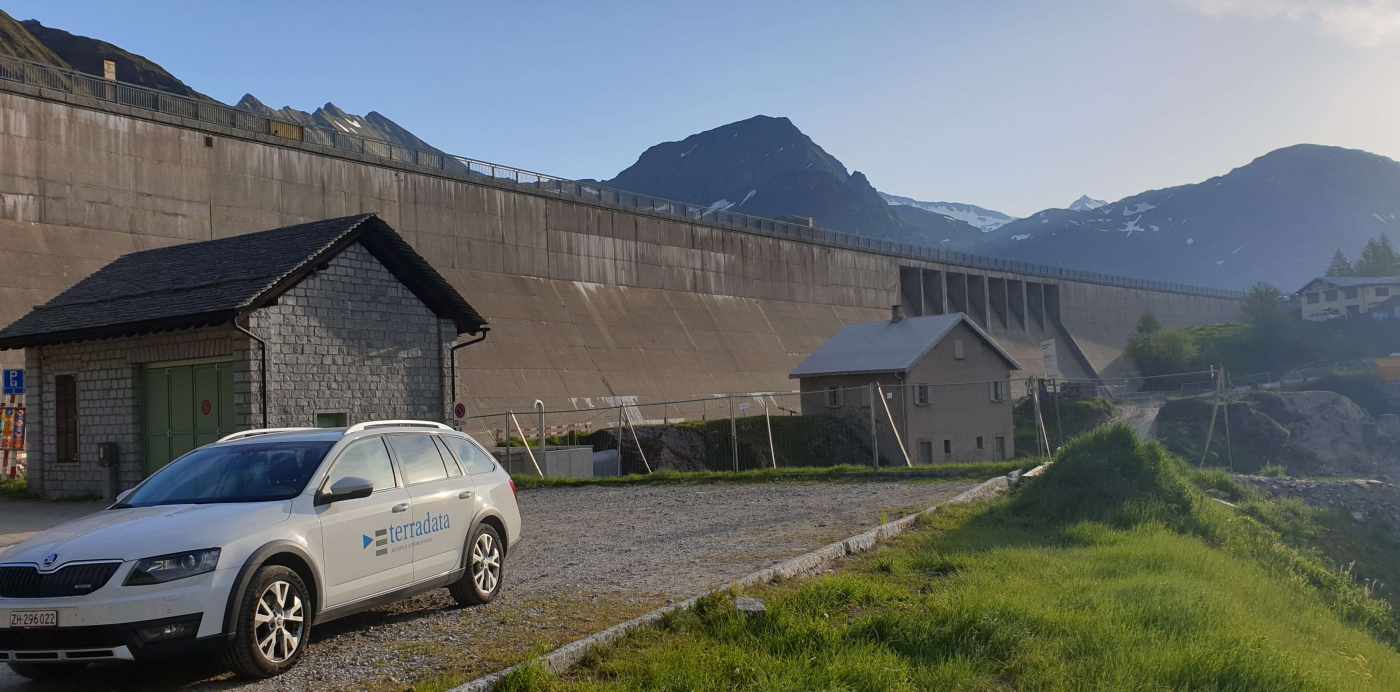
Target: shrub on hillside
[[1110, 475]]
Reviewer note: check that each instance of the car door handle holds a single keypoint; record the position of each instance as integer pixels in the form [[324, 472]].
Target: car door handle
[[400, 507], [464, 495]]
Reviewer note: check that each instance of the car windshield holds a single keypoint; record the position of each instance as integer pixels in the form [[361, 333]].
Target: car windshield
[[232, 473]]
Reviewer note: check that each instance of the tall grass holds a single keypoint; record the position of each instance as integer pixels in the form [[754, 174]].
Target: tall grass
[[1113, 571]]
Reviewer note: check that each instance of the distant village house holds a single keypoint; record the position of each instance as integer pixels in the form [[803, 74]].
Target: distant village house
[[1333, 297]]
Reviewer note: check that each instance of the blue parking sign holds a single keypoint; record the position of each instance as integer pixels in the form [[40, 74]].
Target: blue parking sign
[[14, 381]]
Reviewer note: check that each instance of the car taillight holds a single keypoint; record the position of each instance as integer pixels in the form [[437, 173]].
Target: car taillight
[[513, 490]]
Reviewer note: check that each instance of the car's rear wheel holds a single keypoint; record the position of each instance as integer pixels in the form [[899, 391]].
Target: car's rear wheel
[[273, 624], [485, 568], [40, 672]]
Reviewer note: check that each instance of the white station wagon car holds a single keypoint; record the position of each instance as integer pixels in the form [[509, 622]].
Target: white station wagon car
[[244, 544]]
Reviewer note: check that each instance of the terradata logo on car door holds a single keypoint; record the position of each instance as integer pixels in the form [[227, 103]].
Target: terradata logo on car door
[[396, 537]]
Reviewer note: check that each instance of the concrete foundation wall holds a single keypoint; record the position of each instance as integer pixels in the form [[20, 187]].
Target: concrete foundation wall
[[584, 301]]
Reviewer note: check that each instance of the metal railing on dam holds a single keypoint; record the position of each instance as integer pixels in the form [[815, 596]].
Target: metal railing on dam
[[134, 97]]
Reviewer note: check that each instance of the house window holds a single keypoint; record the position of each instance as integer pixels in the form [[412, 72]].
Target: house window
[[925, 452], [1349, 292], [979, 443], [1330, 296], [65, 424], [1313, 298], [958, 352], [1382, 291], [998, 391], [833, 396], [948, 449], [332, 419], [921, 395]]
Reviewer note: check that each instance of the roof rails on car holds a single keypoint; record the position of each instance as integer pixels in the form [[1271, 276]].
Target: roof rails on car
[[396, 424], [260, 431]]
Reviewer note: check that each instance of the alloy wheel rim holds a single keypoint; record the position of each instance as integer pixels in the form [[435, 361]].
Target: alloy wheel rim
[[278, 622], [486, 563]]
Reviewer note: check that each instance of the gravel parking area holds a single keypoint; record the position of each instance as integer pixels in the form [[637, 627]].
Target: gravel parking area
[[592, 557]]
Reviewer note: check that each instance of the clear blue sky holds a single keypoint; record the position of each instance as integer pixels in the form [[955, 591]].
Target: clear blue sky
[[1015, 106]]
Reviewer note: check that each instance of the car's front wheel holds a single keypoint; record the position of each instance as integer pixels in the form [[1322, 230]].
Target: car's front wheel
[[273, 624], [485, 568], [42, 672]]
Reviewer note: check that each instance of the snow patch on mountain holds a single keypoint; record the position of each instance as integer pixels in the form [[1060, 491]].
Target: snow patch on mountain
[[984, 219], [1086, 203]]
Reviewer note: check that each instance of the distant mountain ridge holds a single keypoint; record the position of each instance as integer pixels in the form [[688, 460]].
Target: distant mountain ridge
[[981, 217], [1086, 203], [1276, 219], [373, 125], [86, 54], [766, 166]]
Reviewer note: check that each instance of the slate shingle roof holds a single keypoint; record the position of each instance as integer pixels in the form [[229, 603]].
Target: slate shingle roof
[[888, 346], [217, 281]]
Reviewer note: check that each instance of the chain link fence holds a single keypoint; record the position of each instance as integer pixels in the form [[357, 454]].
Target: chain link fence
[[875, 424]]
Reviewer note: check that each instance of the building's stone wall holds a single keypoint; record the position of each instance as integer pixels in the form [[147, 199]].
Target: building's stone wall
[[108, 380], [351, 338]]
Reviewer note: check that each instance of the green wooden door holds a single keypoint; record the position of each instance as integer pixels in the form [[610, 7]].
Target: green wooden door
[[185, 406]]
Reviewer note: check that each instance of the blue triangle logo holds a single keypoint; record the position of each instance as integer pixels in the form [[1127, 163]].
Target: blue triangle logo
[[367, 541]]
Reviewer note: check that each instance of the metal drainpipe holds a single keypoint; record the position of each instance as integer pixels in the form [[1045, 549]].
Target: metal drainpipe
[[452, 365], [262, 368]]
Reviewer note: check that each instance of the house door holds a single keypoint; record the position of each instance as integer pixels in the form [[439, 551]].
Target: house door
[[185, 406]]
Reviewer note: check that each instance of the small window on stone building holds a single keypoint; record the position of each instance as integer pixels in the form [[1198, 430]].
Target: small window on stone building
[[958, 351], [925, 452], [980, 447], [1313, 298], [1349, 292], [332, 419], [998, 391], [921, 395], [65, 424], [948, 448], [1382, 291], [833, 396], [1330, 296]]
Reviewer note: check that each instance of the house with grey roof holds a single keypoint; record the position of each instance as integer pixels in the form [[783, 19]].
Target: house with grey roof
[[937, 388], [1332, 297], [319, 324]]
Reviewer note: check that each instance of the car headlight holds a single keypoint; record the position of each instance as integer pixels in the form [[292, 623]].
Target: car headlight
[[164, 568]]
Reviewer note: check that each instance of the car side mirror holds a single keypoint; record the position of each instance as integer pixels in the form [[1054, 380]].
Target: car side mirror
[[348, 488]]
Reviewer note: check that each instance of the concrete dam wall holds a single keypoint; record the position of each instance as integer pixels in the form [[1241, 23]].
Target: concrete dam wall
[[587, 302]]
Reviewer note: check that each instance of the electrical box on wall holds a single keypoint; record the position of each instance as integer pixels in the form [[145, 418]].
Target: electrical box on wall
[[107, 454]]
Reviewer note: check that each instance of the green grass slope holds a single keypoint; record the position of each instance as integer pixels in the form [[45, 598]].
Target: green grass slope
[[1113, 571]]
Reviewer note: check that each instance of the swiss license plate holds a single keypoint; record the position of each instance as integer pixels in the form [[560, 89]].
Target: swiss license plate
[[34, 618]]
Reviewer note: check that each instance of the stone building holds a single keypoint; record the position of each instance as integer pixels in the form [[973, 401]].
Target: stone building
[[161, 351], [945, 381]]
